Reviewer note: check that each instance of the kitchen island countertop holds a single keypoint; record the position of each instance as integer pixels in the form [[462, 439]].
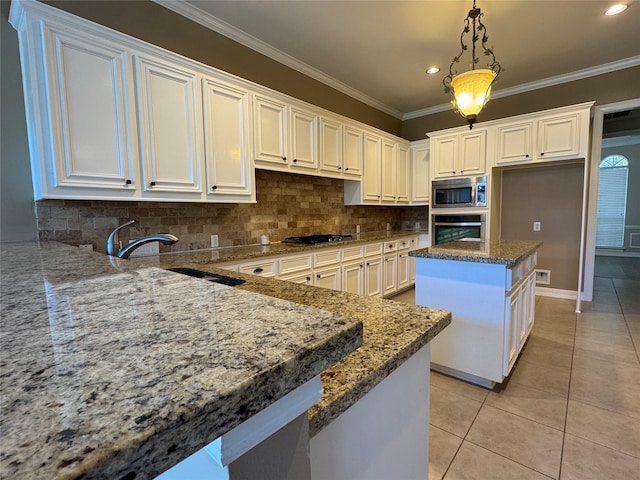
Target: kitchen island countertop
[[502, 252]]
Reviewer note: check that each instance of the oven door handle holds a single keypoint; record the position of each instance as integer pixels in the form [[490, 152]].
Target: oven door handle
[[460, 224]]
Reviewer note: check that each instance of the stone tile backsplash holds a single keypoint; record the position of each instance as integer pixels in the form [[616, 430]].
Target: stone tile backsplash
[[287, 205]]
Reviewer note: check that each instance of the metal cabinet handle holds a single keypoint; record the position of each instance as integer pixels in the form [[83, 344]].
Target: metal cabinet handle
[[152, 184], [362, 265], [346, 169], [258, 270], [339, 168], [284, 159], [308, 279], [295, 160], [542, 154], [318, 275], [128, 182], [214, 187]]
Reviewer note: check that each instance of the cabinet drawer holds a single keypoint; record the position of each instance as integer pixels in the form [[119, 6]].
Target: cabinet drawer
[[263, 269], [390, 246], [228, 266], [352, 253], [404, 244], [326, 258], [299, 263], [372, 249]]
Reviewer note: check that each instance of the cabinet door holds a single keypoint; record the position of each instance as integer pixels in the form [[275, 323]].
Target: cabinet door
[[90, 120], [373, 276], [372, 165], [388, 177], [226, 138], [512, 321], [472, 153], [403, 180], [170, 119], [529, 305], [352, 152], [304, 150], [330, 146], [404, 271], [328, 278], [270, 131], [445, 153], [421, 186], [390, 274], [353, 277], [515, 143], [558, 137]]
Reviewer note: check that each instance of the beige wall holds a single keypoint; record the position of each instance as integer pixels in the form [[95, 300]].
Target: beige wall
[[551, 195], [603, 89]]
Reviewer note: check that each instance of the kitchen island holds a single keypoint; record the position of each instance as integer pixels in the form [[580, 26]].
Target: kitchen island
[[115, 369], [489, 287]]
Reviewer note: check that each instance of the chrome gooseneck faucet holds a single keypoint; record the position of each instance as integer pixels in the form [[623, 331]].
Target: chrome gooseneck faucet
[[113, 242]]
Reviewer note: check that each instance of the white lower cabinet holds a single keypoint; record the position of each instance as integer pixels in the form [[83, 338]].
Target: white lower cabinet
[[373, 276], [353, 277], [328, 278], [390, 273], [263, 267], [404, 270]]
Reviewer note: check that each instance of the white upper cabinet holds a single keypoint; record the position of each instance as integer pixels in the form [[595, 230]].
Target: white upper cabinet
[[227, 139], [78, 114], [169, 126], [270, 125], [352, 152], [372, 189], [559, 134], [304, 134], [388, 173], [421, 186], [515, 142], [403, 174], [331, 152], [458, 154]]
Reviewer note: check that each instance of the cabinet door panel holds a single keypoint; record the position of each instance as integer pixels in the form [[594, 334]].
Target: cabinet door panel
[[353, 278], [388, 172], [515, 143], [303, 142], [404, 271], [373, 277], [445, 152], [226, 134], [472, 153], [328, 278], [403, 166], [168, 102], [420, 174], [390, 274], [352, 153], [372, 165], [270, 129], [558, 137], [89, 112], [330, 146]]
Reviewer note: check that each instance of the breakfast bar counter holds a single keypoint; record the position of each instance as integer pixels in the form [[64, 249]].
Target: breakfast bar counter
[[119, 368]]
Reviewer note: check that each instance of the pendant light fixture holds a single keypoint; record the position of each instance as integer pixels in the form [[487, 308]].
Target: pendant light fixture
[[471, 89]]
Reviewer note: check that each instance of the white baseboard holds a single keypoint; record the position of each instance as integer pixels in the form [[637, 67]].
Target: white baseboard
[[556, 293]]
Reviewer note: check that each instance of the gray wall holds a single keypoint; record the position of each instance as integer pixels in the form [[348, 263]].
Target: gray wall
[[551, 195], [17, 218]]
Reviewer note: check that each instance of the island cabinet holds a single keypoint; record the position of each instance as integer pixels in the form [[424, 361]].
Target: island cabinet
[[490, 291]]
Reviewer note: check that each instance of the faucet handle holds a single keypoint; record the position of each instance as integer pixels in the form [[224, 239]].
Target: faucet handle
[[113, 241]]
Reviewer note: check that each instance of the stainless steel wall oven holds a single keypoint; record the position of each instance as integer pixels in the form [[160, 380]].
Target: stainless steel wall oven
[[447, 228]]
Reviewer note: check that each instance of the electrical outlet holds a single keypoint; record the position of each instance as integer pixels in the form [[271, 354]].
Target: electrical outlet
[[543, 277], [537, 226], [214, 241]]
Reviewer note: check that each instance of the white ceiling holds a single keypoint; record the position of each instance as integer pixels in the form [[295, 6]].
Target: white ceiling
[[378, 51]]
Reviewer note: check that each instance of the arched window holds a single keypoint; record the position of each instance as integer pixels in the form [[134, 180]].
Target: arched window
[[612, 201]]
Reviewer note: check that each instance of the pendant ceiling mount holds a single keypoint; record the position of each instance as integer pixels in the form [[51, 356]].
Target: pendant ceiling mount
[[471, 89]]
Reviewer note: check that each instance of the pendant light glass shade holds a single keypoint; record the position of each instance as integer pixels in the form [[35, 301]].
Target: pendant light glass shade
[[472, 90]]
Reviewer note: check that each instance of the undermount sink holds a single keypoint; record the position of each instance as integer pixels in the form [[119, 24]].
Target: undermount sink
[[210, 277]]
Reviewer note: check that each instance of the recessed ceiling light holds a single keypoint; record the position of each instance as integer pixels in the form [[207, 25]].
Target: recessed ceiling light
[[616, 9], [433, 70]]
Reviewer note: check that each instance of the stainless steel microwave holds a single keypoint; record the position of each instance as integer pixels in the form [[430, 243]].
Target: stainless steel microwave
[[459, 192]]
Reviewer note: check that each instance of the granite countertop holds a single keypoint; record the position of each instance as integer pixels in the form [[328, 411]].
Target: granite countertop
[[247, 252], [114, 368], [502, 252]]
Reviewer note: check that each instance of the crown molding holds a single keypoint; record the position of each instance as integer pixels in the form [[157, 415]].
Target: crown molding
[[538, 84], [205, 19]]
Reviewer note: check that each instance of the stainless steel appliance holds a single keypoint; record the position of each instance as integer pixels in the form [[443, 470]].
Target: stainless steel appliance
[[447, 228], [459, 192]]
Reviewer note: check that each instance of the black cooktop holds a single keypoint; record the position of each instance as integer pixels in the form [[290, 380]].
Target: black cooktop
[[314, 239]]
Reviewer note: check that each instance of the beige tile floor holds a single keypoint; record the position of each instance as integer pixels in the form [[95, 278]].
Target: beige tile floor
[[571, 407]]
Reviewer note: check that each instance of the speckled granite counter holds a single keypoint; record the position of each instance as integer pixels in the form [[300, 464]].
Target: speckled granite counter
[[114, 369], [238, 253], [504, 252]]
